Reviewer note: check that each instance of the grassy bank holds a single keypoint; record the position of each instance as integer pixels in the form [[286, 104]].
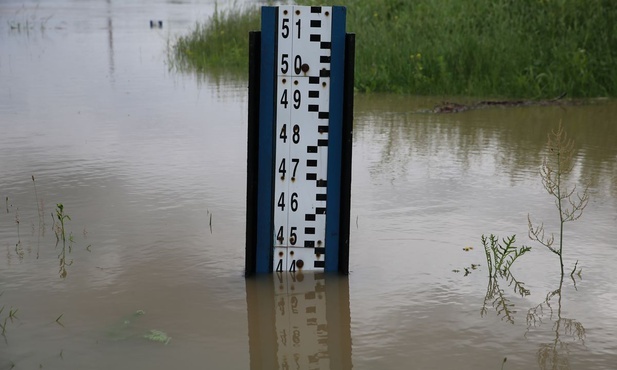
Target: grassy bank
[[219, 43], [501, 48]]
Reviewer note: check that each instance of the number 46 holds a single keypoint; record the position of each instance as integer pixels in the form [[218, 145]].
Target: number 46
[[294, 202]]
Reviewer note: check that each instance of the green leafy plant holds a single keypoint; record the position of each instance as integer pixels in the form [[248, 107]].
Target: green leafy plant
[[570, 204], [500, 257], [445, 47], [62, 217], [157, 336]]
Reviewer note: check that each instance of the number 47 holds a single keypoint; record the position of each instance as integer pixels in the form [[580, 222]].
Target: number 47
[[283, 169]]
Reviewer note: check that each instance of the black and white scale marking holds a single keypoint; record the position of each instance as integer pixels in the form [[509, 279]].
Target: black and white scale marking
[[302, 121]]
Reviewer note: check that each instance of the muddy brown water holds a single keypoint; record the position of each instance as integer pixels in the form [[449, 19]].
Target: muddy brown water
[[143, 156]]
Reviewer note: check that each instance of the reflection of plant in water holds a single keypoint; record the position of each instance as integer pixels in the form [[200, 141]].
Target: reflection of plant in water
[[496, 296], [498, 299], [499, 259], [557, 164], [555, 354]]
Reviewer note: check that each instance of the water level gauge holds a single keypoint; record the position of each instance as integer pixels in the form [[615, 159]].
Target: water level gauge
[[299, 140]]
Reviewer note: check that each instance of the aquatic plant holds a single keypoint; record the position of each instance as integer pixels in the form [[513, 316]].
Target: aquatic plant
[[39, 210], [17, 222], [557, 164], [19, 250], [12, 315], [126, 327], [210, 223], [499, 258], [62, 217], [58, 320], [219, 43], [157, 336], [61, 234]]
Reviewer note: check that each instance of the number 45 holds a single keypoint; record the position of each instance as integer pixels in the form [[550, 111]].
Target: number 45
[[293, 237]]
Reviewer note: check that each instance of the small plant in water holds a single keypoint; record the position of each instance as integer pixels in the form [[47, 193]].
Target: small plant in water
[[61, 234], [62, 217], [12, 315], [500, 258], [157, 336], [570, 204], [58, 320]]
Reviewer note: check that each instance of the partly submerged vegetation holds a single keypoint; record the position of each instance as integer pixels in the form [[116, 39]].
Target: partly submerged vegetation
[[220, 43], [513, 48], [570, 203], [565, 331]]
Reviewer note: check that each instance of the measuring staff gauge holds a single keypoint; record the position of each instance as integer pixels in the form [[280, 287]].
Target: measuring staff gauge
[[302, 122], [306, 177]]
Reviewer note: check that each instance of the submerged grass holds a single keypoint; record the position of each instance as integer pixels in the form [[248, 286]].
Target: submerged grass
[[221, 43], [513, 48]]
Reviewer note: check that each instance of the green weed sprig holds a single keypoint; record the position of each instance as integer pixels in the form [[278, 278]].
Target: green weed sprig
[[500, 257]]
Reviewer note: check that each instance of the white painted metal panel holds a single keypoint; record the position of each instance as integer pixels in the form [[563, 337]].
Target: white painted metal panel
[[302, 114]]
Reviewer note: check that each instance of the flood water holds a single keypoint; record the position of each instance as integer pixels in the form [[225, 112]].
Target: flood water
[[150, 165]]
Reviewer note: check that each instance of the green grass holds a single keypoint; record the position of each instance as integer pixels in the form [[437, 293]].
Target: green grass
[[219, 44], [501, 48]]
